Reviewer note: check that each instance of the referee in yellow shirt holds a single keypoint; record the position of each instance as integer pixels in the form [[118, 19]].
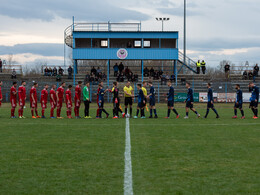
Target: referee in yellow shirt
[[145, 98], [128, 92]]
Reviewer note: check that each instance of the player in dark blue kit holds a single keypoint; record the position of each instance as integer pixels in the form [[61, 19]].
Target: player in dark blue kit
[[239, 103], [170, 100], [210, 101], [189, 102], [151, 96], [141, 101], [101, 101], [254, 99]]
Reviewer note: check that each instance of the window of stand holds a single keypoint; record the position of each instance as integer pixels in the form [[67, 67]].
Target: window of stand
[[138, 43], [147, 44], [104, 43]]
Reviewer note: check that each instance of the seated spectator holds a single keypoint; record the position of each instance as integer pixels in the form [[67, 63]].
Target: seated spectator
[[120, 78], [115, 67], [58, 77], [255, 74], [146, 72], [245, 75], [70, 71], [163, 79], [250, 75], [54, 72], [167, 77], [61, 71], [13, 75], [135, 78], [46, 70], [130, 77], [98, 70], [104, 77], [49, 71], [172, 77], [93, 70], [160, 73], [152, 72], [127, 72], [87, 77], [92, 77]]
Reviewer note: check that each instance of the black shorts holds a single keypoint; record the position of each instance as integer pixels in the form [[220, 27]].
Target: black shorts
[[128, 101], [210, 105], [254, 104], [152, 102], [171, 103], [239, 105], [189, 105]]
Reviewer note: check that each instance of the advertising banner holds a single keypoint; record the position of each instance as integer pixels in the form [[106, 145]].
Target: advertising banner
[[203, 97], [181, 97]]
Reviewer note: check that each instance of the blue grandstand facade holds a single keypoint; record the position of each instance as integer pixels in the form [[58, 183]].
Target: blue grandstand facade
[[121, 41]]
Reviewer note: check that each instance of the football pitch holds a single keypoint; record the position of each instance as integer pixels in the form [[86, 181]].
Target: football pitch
[[168, 156]]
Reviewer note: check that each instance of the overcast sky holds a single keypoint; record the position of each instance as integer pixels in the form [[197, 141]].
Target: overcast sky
[[32, 30]]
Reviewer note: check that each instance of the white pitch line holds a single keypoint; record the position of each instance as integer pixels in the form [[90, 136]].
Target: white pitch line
[[237, 124], [128, 180]]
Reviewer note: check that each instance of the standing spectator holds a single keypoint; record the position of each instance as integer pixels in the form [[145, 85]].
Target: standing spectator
[[61, 71], [46, 70], [115, 67], [70, 71], [1, 65], [254, 75], [121, 67], [50, 71], [13, 76], [256, 69], [129, 44], [227, 70], [93, 70], [54, 72], [198, 66], [203, 66]]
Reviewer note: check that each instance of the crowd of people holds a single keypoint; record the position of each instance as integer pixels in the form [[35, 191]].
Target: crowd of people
[[251, 75], [63, 94], [121, 73], [95, 75]]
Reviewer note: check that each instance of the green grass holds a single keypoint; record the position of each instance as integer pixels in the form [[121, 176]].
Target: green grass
[[169, 156]]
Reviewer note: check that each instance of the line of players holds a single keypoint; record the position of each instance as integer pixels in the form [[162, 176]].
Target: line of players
[[57, 97]]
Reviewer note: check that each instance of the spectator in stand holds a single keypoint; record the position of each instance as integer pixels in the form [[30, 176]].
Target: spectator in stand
[[172, 77], [245, 75], [54, 72], [250, 75], [92, 77], [167, 77], [61, 71], [98, 71], [129, 44], [254, 75], [70, 71], [131, 77], [146, 72], [115, 67], [93, 70], [49, 71], [121, 68], [203, 67], [104, 77], [13, 75], [127, 72], [152, 72], [120, 78], [1, 65], [46, 71], [227, 70], [160, 73], [87, 78], [163, 79], [256, 69]]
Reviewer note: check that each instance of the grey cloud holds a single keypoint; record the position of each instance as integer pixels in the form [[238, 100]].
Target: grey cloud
[[44, 49], [98, 10]]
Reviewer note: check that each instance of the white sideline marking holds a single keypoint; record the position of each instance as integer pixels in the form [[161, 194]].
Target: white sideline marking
[[238, 124], [128, 180]]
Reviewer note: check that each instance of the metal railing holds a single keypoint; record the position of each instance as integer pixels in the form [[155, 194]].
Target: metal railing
[[187, 62]]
